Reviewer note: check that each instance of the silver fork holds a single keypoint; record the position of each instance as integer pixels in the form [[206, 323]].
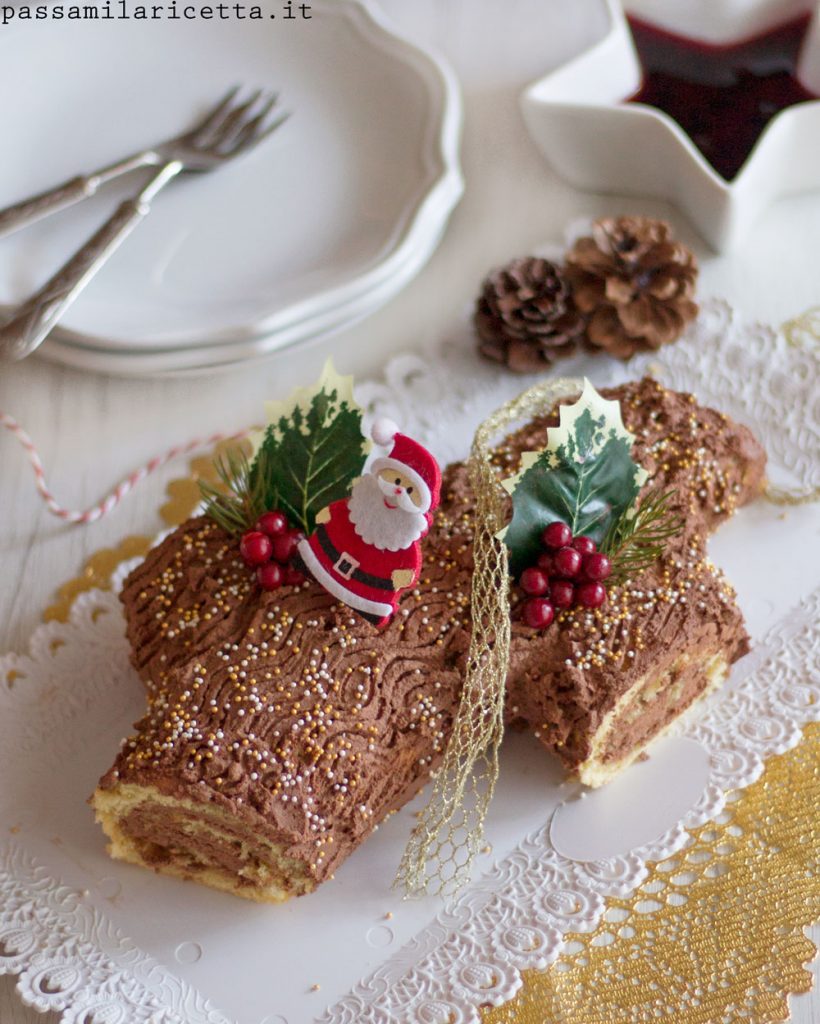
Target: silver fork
[[228, 130]]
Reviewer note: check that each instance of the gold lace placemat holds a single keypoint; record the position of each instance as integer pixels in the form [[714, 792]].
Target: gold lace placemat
[[715, 933]]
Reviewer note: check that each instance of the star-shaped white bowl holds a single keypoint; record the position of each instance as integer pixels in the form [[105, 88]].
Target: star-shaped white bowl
[[579, 120]]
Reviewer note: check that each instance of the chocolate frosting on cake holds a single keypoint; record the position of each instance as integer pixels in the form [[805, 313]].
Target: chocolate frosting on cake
[[308, 725]]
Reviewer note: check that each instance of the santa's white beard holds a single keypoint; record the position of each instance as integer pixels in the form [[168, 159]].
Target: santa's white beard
[[389, 529]]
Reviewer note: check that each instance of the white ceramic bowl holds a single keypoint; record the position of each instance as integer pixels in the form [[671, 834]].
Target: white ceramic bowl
[[578, 118]]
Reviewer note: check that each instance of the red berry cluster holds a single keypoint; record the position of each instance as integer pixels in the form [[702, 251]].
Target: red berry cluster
[[570, 571], [269, 547]]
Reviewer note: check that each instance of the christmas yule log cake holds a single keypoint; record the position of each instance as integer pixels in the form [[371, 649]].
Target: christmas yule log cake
[[282, 725]]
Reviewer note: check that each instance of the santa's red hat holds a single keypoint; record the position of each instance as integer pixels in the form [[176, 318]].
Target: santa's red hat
[[410, 458]]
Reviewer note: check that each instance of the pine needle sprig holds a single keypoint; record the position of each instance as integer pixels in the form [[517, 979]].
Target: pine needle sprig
[[634, 542], [239, 499]]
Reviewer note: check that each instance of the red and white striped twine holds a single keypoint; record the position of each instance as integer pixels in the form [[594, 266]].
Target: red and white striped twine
[[90, 515]]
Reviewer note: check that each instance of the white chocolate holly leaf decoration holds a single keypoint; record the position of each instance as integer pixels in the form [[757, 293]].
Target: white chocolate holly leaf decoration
[[585, 477], [311, 450]]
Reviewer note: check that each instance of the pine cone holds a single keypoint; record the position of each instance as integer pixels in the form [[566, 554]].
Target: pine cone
[[634, 283], [525, 316]]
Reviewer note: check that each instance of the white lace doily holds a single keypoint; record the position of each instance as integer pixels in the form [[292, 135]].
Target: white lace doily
[[102, 943]]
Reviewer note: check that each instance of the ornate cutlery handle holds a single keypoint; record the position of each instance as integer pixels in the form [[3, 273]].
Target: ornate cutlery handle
[[30, 210], [73, 191], [32, 321]]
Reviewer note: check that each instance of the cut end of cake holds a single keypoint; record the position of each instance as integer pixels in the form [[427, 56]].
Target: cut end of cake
[[646, 712], [202, 842]]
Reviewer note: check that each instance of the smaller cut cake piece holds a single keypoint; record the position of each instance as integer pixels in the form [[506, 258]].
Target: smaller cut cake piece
[[618, 676]]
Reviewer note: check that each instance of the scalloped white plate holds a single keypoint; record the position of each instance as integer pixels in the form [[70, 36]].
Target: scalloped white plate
[[320, 224], [101, 942]]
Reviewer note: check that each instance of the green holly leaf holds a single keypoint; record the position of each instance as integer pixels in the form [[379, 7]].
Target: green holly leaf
[[585, 477], [311, 450]]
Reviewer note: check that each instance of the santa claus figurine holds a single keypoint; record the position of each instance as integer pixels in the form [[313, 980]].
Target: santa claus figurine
[[365, 549]]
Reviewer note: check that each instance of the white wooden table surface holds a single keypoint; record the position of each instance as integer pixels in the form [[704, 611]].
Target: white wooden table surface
[[92, 430]]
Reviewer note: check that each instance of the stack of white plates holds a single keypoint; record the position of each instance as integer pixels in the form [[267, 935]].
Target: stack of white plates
[[317, 227]]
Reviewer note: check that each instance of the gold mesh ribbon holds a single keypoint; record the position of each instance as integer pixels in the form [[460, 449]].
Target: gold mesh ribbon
[[715, 933], [803, 331], [449, 834], [780, 496]]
